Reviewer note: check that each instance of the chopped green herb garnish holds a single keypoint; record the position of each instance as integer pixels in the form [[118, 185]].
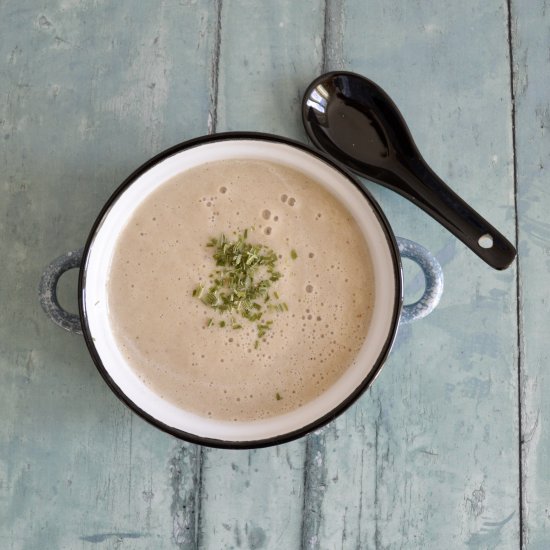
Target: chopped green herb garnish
[[198, 291], [210, 298], [256, 344], [239, 286], [210, 322], [293, 254], [278, 396], [278, 307]]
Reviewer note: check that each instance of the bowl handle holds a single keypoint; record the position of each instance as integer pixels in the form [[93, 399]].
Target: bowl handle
[[433, 275], [47, 291]]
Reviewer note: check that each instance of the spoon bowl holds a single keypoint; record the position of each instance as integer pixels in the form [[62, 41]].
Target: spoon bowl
[[352, 119]]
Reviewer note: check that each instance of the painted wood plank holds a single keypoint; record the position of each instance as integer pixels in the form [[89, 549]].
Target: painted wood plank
[[91, 90], [530, 26], [429, 457], [268, 54]]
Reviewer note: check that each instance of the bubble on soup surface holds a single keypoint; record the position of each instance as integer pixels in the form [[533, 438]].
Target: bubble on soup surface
[[309, 288], [223, 189], [291, 201], [267, 230], [266, 214], [284, 197]]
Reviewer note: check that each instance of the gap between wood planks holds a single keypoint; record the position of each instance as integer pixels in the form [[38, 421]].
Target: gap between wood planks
[[518, 285]]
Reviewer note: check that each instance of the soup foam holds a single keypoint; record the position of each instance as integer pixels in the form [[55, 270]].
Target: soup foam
[[218, 372]]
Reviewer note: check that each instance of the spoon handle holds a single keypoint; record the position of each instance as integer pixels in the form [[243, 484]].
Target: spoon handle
[[421, 185]]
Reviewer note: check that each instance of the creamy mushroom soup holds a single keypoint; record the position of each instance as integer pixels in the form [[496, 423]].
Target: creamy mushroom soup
[[228, 339]]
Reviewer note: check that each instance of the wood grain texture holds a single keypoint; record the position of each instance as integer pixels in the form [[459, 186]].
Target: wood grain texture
[[421, 461], [254, 499], [429, 456], [530, 26], [90, 91]]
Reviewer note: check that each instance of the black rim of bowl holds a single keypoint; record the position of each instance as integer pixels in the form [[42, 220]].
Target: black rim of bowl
[[321, 421]]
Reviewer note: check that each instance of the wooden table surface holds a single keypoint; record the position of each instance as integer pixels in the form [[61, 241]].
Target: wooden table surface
[[450, 448]]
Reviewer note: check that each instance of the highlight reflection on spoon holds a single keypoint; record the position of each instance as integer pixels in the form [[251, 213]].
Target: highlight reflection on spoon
[[355, 121]]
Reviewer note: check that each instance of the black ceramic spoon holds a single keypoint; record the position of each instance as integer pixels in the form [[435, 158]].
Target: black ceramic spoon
[[355, 121]]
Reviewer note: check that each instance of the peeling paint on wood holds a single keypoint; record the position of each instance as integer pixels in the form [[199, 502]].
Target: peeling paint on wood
[[430, 456], [411, 453], [185, 468], [530, 27], [91, 91], [253, 499]]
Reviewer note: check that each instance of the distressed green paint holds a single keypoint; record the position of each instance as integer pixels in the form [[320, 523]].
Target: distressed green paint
[[254, 499], [269, 53], [428, 458], [90, 91], [531, 26]]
